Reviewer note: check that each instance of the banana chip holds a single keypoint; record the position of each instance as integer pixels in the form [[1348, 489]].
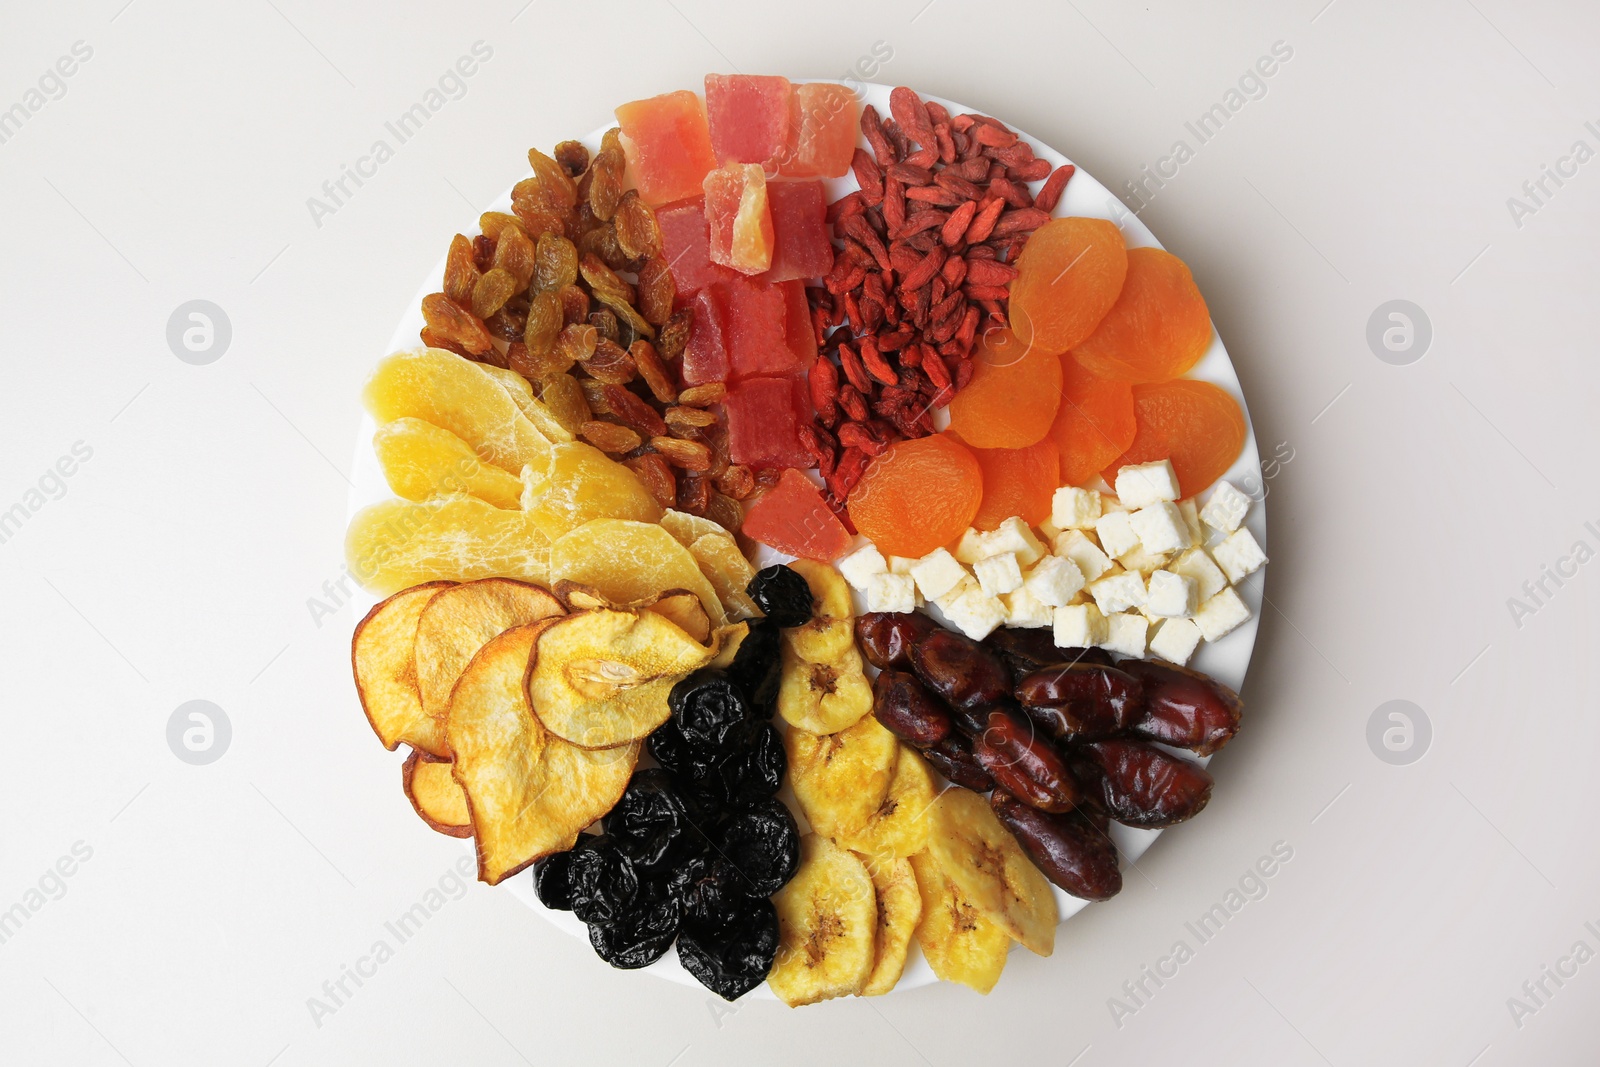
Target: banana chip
[[841, 779], [385, 672], [961, 943], [830, 593], [827, 916], [529, 792], [990, 869], [437, 797], [823, 698], [822, 640], [894, 884], [899, 828]]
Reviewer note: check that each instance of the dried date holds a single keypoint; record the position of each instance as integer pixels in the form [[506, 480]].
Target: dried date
[[1145, 787]]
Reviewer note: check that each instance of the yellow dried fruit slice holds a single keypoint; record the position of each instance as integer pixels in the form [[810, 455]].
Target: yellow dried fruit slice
[[727, 640], [894, 886], [381, 660], [422, 461], [401, 543], [985, 862], [823, 698], [684, 610], [827, 916], [830, 593], [601, 678], [536, 410], [435, 794], [841, 779], [689, 528], [960, 942], [582, 483], [729, 572], [454, 625], [630, 563], [899, 827], [529, 792], [456, 394], [822, 640]]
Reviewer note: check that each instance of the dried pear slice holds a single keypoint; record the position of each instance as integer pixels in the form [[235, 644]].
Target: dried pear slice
[[726, 640], [385, 672], [841, 779], [894, 885], [823, 698], [583, 483], [601, 678], [422, 461], [529, 792], [959, 940], [630, 563], [454, 625], [985, 862], [400, 543], [899, 827], [537, 411], [684, 610], [437, 797], [458, 395], [827, 915], [729, 572]]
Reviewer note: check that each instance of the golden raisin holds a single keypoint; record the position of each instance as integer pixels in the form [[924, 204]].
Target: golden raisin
[[609, 363], [737, 481], [574, 305], [656, 291], [653, 371], [573, 157], [691, 418], [555, 263], [455, 324], [575, 343], [563, 395], [656, 473], [605, 190], [492, 291], [544, 323], [559, 190], [460, 272], [690, 455], [514, 253], [703, 396], [674, 337], [492, 223], [609, 437], [638, 233]]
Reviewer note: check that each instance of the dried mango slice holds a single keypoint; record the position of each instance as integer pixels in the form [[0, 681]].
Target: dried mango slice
[[538, 412], [728, 571], [601, 678], [400, 543], [422, 461], [689, 528], [583, 483], [458, 395], [630, 563], [1158, 328]]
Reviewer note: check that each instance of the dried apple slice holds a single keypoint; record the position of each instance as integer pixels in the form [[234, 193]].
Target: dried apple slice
[[453, 626], [529, 792], [728, 571], [422, 461], [630, 563], [380, 659], [399, 543], [601, 678], [435, 794]]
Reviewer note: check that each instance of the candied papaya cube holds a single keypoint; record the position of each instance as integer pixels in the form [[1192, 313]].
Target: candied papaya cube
[[738, 217], [757, 329], [748, 115], [800, 245], [794, 518], [705, 357], [823, 122], [668, 145], [686, 246], [764, 420], [798, 330]]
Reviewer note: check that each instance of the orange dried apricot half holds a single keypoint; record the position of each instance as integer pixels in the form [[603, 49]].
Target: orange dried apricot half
[[1158, 328], [1198, 426], [1094, 424], [1071, 271], [1017, 481], [917, 496], [1012, 397]]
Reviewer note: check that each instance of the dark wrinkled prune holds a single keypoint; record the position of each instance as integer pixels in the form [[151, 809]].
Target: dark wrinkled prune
[[1023, 762], [763, 845], [963, 672], [639, 937], [886, 637], [1184, 708], [689, 762], [756, 666], [753, 768], [1146, 787], [552, 876], [1068, 848], [603, 882], [953, 758], [732, 957], [706, 707], [782, 595], [1081, 701], [1028, 649], [648, 821], [706, 887], [906, 709]]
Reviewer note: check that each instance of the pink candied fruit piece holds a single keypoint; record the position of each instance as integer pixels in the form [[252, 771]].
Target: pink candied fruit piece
[[794, 518], [739, 218], [668, 145], [748, 115], [764, 419], [800, 245], [757, 329], [705, 356], [824, 120], [686, 246], [799, 331]]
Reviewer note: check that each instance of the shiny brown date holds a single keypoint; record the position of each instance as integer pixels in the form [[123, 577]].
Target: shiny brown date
[[1068, 848], [953, 758], [1184, 708], [887, 637], [963, 672], [1082, 701], [908, 710], [1145, 787], [1025, 650], [1024, 763]]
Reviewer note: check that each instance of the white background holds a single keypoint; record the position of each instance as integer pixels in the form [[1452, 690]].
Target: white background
[[179, 560]]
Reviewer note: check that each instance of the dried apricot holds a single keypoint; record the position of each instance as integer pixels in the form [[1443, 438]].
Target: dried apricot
[[1094, 424], [1017, 481], [1012, 397], [1070, 273], [1158, 328], [1197, 425], [918, 495]]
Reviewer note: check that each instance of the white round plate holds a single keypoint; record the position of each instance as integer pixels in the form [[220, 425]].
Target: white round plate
[[1225, 660]]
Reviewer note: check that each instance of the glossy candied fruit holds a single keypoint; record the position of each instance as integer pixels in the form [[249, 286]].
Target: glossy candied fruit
[[823, 128], [801, 248], [748, 115], [705, 356], [792, 517], [686, 246], [764, 419], [738, 218], [668, 145]]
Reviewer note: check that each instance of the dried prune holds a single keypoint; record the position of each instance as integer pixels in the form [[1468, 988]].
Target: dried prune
[[603, 882], [732, 957], [1081, 701], [887, 637], [906, 708], [1068, 849], [706, 887], [1146, 787], [782, 595], [1021, 761], [552, 876], [639, 937], [1184, 708], [954, 759], [963, 672], [756, 666], [1026, 650], [706, 707], [689, 762], [763, 845], [753, 769], [649, 820]]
